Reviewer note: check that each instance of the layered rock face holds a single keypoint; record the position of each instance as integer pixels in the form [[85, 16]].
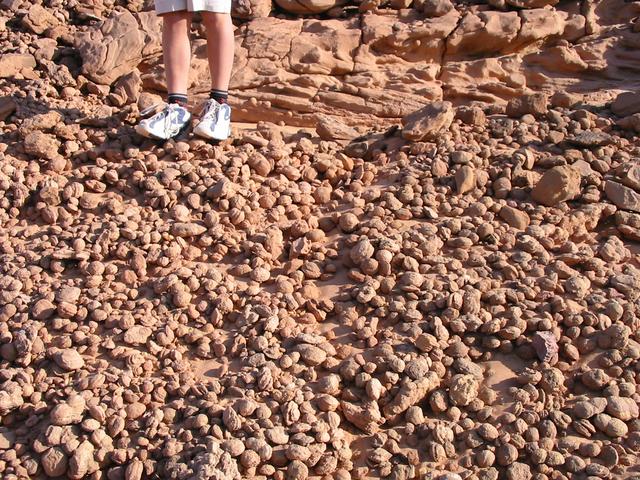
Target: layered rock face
[[372, 63]]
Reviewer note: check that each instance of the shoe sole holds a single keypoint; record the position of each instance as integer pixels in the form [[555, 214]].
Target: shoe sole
[[218, 132], [140, 131], [215, 136]]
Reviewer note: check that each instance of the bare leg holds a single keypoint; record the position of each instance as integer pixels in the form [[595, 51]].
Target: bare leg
[[220, 47], [177, 50]]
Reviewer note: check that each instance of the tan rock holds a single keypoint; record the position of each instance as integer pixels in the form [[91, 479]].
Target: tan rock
[[626, 103], [331, 128], [41, 145], [465, 179], [68, 412], [134, 470], [82, 461], [411, 393], [69, 359], [463, 389], [623, 408], [366, 417], [310, 354], [186, 230], [534, 104], [302, 7], [137, 335], [622, 196], [514, 217], [12, 64], [558, 184], [43, 309], [39, 19], [112, 49], [54, 462], [428, 122]]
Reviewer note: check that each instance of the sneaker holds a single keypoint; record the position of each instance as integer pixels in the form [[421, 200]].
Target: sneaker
[[215, 123], [166, 124]]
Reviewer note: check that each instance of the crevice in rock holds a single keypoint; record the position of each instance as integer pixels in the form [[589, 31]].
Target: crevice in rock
[[445, 43]]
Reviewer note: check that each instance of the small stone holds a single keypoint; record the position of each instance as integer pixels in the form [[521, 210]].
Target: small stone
[[186, 230], [348, 222], [518, 471], [514, 217], [68, 412], [591, 139], [54, 462], [535, 104], [43, 309], [465, 179], [260, 275], [134, 470], [622, 196], [546, 346], [310, 354], [68, 359], [137, 335], [41, 145], [81, 461], [623, 408], [463, 389]]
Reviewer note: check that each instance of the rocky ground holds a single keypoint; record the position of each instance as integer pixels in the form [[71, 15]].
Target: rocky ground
[[450, 291]]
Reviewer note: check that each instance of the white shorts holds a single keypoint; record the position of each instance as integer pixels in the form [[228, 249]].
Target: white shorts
[[168, 6]]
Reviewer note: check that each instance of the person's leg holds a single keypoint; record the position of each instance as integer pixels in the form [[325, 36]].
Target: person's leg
[[176, 52], [220, 49], [174, 118]]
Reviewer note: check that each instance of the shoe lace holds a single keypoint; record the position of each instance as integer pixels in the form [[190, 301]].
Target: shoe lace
[[165, 114], [211, 110]]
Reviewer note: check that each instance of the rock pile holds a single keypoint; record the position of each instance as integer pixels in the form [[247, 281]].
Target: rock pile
[[454, 296]]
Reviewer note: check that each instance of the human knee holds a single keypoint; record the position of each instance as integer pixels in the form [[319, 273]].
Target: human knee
[[176, 18], [215, 19]]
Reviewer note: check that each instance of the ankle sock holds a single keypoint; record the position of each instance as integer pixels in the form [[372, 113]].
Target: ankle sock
[[179, 98], [220, 96]]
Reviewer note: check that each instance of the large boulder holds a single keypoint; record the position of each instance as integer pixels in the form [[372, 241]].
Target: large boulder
[[117, 45]]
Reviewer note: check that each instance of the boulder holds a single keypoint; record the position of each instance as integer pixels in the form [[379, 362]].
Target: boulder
[[626, 103], [428, 122], [558, 184], [112, 49], [535, 104]]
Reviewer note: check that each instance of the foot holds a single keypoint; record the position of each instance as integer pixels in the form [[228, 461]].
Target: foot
[[166, 124], [215, 123]]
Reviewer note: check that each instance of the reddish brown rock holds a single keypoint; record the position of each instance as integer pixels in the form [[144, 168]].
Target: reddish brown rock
[[558, 184]]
